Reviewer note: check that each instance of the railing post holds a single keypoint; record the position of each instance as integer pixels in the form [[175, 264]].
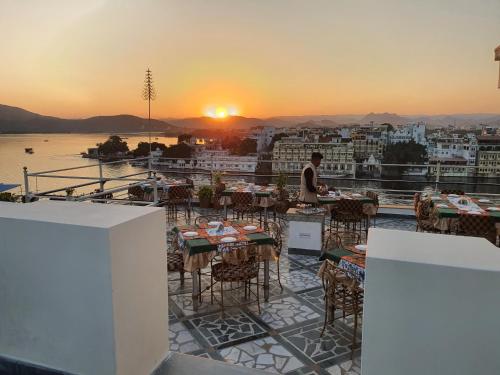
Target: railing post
[[101, 182], [150, 165], [27, 195], [155, 191], [438, 175]]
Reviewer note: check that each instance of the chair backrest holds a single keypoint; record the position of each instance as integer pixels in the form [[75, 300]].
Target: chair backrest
[[275, 232], [136, 192], [335, 279], [190, 182], [452, 191], [477, 226], [332, 241], [242, 198], [423, 209], [416, 198], [373, 196], [178, 192], [350, 205], [208, 218]]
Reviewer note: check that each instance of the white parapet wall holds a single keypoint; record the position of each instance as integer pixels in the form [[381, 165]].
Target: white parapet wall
[[83, 287], [432, 305]]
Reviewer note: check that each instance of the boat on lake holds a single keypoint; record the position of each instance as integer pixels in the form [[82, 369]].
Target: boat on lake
[[29, 150]]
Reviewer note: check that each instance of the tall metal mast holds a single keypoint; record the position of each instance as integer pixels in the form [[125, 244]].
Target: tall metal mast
[[149, 93]]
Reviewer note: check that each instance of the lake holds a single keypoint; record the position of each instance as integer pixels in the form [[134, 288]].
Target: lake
[[55, 151]]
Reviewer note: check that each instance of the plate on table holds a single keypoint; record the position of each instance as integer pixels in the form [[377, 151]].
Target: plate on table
[[360, 247], [228, 239], [493, 209], [441, 205], [483, 200], [357, 195], [214, 223], [249, 227], [190, 234], [233, 188], [453, 195], [474, 213], [270, 189], [436, 198]]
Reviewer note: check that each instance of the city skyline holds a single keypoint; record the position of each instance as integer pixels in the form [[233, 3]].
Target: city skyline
[[80, 59]]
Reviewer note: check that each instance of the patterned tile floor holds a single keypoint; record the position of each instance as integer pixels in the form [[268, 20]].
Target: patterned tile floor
[[285, 337]]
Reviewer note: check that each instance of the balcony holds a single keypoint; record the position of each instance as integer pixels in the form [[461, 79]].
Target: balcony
[[285, 336]]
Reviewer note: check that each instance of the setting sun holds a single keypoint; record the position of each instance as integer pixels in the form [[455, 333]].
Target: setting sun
[[220, 111]]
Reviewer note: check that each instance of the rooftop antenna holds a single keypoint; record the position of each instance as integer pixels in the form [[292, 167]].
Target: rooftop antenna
[[149, 93]]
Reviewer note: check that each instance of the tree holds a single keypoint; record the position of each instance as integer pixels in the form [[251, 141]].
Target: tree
[[184, 138], [112, 146], [404, 153], [179, 151], [246, 146], [143, 148]]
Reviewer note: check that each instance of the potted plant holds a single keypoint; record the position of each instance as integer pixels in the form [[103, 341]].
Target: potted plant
[[69, 193], [205, 196]]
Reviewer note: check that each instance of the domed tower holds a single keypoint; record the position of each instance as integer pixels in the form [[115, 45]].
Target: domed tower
[[497, 58]]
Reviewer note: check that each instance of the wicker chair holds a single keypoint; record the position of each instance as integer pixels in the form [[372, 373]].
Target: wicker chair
[[477, 226], [416, 198], [342, 292], [135, 193], [452, 191], [275, 232], [179, 195], [175, 258], [243, 204], [242, 273], [335, 245], [348, 212], [424, 222]]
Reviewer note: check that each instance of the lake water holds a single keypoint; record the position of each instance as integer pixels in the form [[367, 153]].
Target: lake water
[[56, 151]]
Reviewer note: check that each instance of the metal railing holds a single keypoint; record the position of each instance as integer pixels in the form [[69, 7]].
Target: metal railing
[[391, 183]]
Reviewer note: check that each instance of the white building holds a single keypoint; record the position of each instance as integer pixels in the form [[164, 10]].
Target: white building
[[221, 160], [292, 154], [264, 137], [454, 146], [409, 132]]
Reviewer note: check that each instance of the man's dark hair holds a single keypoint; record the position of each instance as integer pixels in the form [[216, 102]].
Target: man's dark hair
[[316, 155]]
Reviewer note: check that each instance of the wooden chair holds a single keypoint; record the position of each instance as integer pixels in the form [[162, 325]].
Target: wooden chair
[[477, 226], [336, 243], [175, 258], [241, 273], [342, 292], [243, 204], [452, 191], [424, 222], [179, 196], [349, 212], [135, 193], [275, 232]]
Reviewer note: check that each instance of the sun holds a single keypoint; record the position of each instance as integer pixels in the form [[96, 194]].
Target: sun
[[221, 111]]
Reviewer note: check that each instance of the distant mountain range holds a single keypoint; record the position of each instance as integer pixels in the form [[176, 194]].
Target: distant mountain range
[[18, 120]]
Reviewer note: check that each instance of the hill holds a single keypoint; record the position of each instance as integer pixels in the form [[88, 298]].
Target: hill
[[226, 123], [18, 120]]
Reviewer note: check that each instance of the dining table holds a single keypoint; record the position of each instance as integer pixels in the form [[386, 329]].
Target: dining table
[[446, 210], [200, 243], [332, 198], [348, 258]]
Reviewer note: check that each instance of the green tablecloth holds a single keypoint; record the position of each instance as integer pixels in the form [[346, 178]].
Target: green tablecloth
[[201, 245], [335, 254], [228, 193], [334, 200]]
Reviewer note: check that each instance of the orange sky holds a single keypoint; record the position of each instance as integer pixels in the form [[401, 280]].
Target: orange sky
[[77, 58]]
